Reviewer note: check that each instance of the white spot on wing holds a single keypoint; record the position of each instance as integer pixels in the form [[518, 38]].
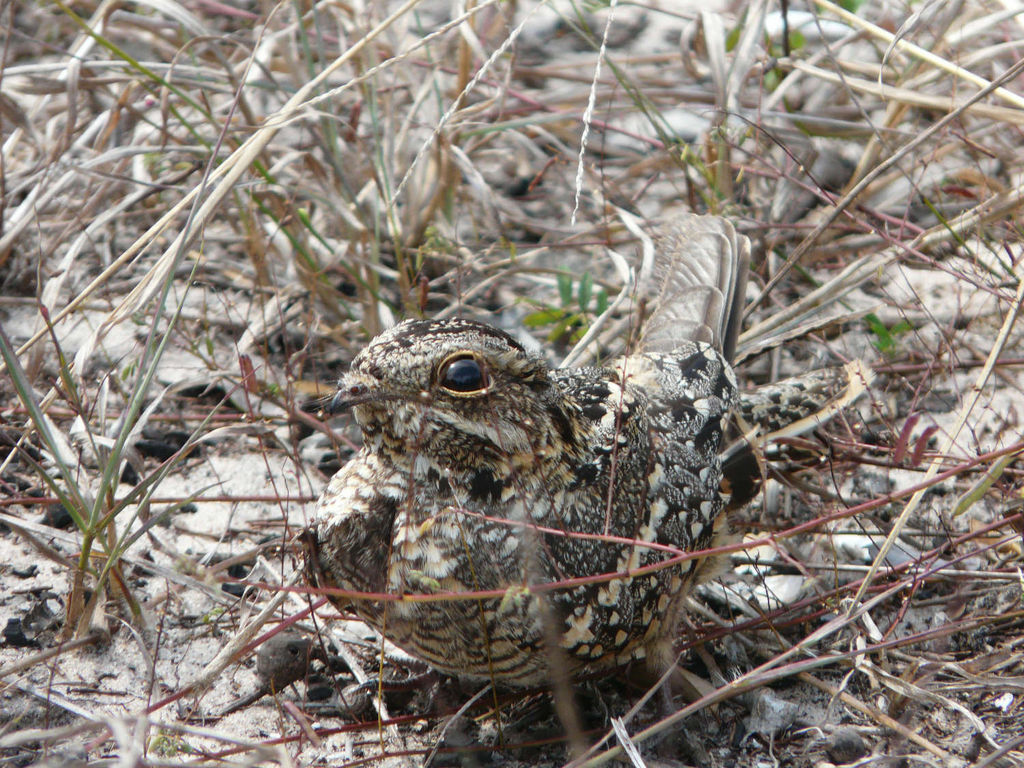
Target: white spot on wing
[[657, 513], [579, 629]]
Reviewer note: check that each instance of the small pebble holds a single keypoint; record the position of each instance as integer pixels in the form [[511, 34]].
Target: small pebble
[[280, 661], [846, 746]]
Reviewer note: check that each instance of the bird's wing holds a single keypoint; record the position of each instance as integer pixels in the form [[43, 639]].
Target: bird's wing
[[697, 285]]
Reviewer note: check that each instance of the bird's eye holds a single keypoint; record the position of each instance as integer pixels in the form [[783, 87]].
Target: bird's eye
[[463, 374]]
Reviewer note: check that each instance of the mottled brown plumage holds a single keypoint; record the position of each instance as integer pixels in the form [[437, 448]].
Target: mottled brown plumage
[[560, 495]]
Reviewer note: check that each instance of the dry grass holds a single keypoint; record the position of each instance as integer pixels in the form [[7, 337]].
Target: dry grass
[[207, 209]]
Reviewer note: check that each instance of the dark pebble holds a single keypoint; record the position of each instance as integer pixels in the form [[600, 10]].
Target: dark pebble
[[846, 746]]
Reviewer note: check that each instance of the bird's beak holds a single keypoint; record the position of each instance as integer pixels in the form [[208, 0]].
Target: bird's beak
[[353, 389]]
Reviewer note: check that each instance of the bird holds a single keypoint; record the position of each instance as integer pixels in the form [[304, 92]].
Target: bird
[[510, 522]]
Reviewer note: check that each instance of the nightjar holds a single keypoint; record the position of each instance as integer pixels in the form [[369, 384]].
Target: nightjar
[[503, 519]]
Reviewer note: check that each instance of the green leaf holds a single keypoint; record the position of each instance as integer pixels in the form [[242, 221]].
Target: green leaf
[[514, 598], [885, 338], [585, 291], [424, 583], [565, 288], [565, 325], [884, 341], [732, 38], [543, 317], [977, 491]]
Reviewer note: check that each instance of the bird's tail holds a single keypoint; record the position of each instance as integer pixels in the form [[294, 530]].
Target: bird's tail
[[696, 281], [697, 284]]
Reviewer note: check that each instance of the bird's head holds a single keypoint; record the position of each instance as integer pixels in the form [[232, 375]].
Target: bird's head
[[456, 390]]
